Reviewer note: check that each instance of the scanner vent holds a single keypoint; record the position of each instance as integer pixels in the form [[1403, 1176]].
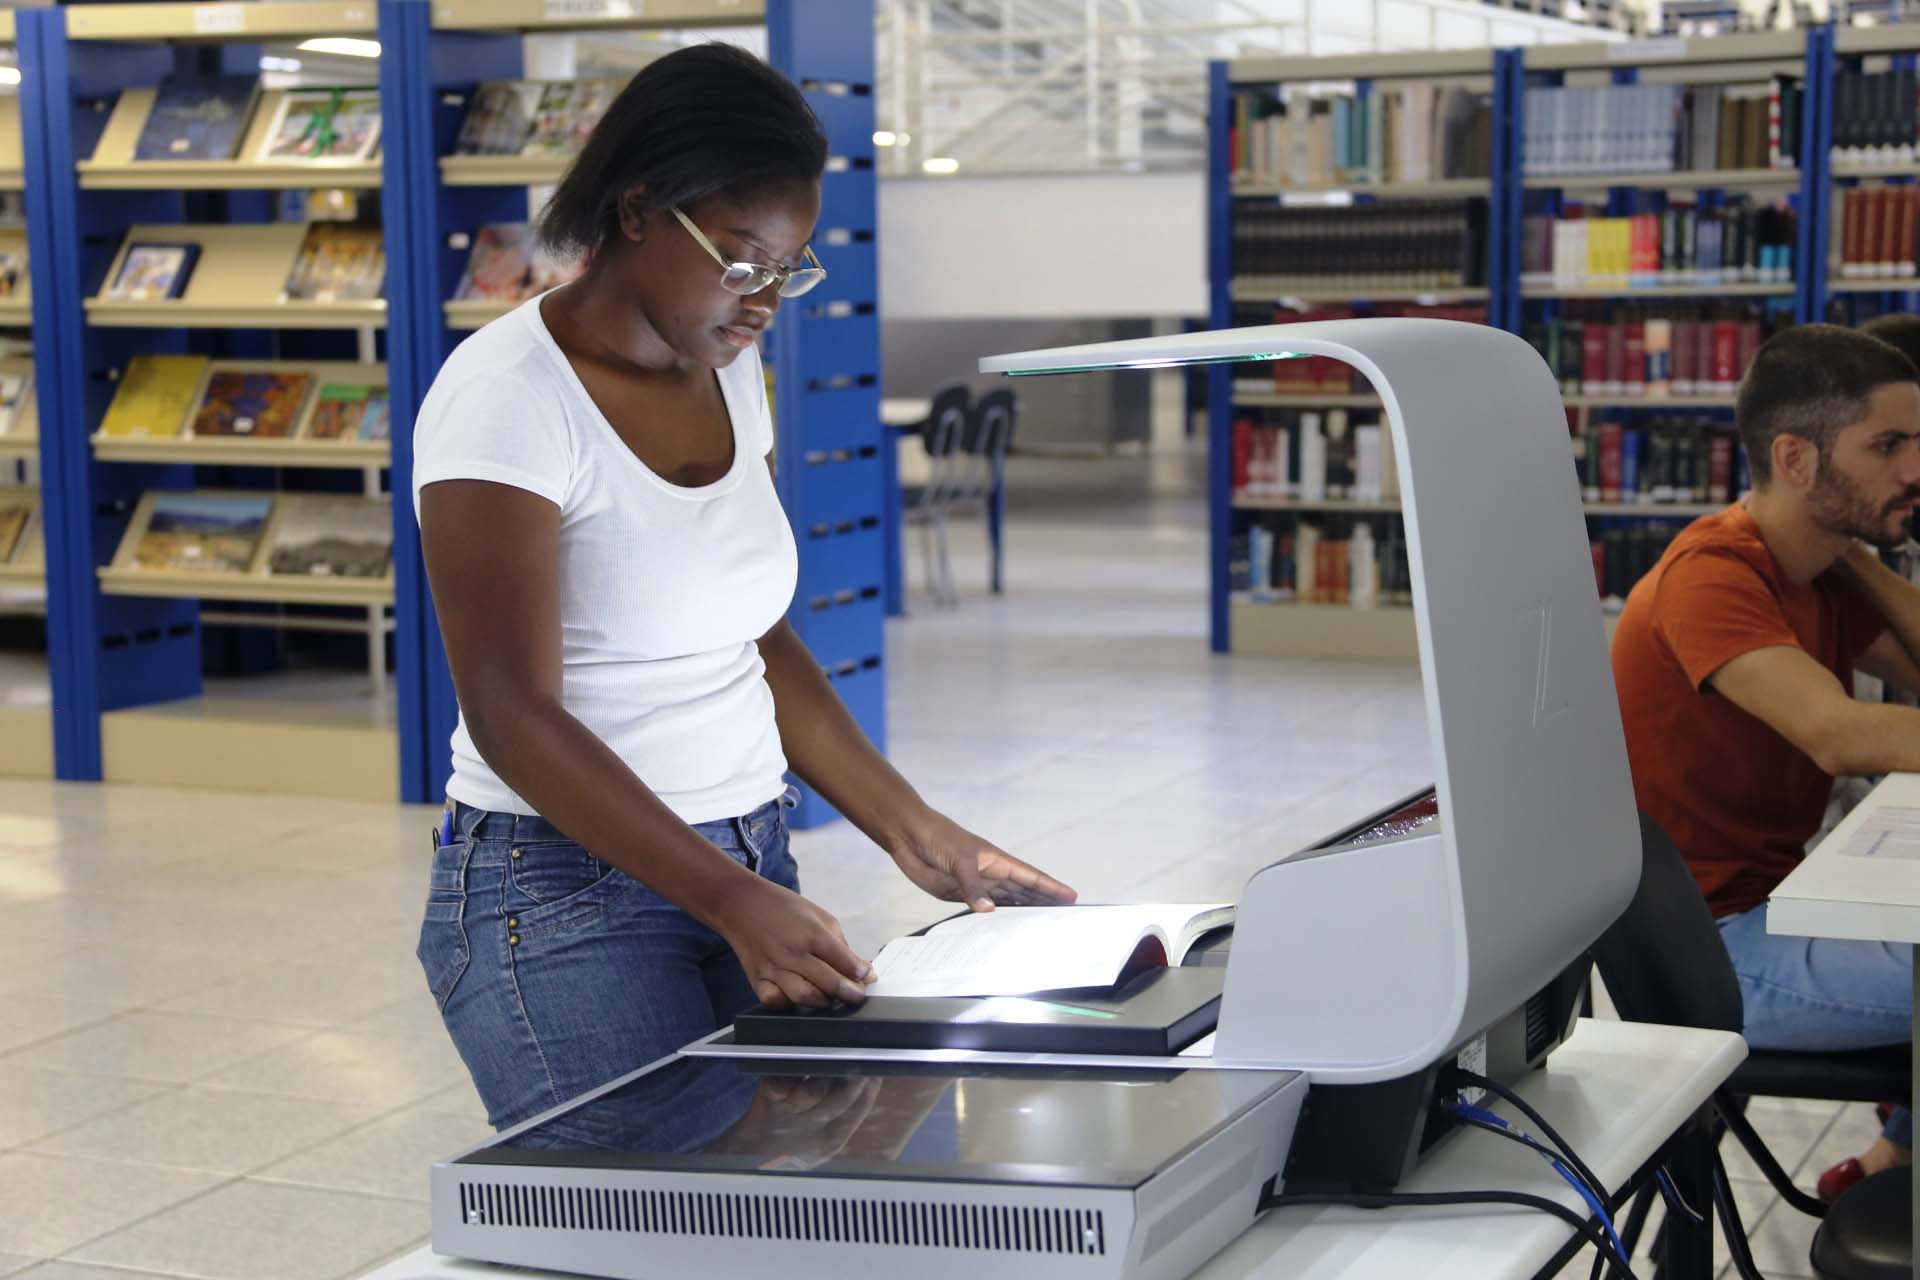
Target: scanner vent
[[831, 1220], [1540, 1028]]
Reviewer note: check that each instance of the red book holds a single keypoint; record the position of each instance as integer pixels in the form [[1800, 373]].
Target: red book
[[1720, 468], [1703, 384], [1593, 357], [1852, 220], [1725, 336], [1909, 227], [1599, 551], [1342, 571], [1635, 343], [1873, 246], [1750, 340], [1609, 461], [1242, 453], [1646, 258], [1683, 343], [1892, 252], [1616, 369]]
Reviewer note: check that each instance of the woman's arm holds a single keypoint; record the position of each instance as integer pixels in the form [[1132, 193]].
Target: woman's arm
[[826, 748], [491, 554]]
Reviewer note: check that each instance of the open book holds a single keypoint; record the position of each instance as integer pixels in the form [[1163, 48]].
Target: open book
[[1016, 950]]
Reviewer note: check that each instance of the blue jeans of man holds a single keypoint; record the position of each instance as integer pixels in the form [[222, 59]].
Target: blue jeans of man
[[1822, 993], [555, 972]]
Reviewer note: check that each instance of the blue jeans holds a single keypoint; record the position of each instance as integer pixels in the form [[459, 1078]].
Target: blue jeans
[[555, 973], [1822, 993]]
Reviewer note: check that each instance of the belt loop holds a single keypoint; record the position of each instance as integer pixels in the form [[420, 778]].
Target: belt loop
[[747, 845]]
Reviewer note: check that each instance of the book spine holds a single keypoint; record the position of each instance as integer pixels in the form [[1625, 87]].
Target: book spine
[[1659, 357], [1634, 342], [1611, 462]]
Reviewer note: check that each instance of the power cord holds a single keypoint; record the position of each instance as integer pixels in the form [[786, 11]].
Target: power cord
[[1412, 1200], [1455, 1078], [1478, 1118]]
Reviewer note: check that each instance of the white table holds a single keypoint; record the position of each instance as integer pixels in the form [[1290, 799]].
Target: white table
[[1617, 1091], [1875, 899]]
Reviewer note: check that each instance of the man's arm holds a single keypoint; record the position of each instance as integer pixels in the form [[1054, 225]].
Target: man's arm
[[1895, 656], [1803, 702]]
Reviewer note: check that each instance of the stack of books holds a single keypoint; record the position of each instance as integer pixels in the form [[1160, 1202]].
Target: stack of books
[[1740, 242], [1876, 119], [1394, 134], [1311, 458], [1671, 460], [1361, 563], [1632, 351], [1878, 229], [1404, 246], [1661, 128]]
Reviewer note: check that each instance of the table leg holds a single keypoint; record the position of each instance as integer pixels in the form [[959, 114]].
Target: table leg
[[996, 525]]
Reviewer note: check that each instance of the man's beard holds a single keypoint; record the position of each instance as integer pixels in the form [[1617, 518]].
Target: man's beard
[[1837, 507]]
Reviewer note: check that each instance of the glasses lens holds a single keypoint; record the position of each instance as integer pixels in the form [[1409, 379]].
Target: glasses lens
[[802, 280], [746, 277]]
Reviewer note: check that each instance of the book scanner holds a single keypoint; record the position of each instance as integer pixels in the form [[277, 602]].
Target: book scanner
[[1357, 969]]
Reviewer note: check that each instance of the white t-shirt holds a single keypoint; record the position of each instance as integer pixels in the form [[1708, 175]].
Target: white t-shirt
[[664, 590]]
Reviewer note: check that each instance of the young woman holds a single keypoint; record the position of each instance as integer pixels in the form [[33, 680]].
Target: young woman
[[611, 568]]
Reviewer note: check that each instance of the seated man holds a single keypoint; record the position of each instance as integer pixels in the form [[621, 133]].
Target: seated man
[[1734, 661]]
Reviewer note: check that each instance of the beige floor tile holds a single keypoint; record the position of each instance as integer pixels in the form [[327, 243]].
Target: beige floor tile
[[1789, 1135], [125, 976], [35, 1102], [457, 1100], [389, 1157], [149, 1045], [55, 1203], [303, 993], [10, 1263], [80, 1271], [229, 1131], [29, 1019], [1853, 1131], [252, 1230], [1781, 1241], [415, 1014], [390, 1071]]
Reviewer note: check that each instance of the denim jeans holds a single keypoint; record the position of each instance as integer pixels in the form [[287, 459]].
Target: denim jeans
[[555, 973], [1822, 993]]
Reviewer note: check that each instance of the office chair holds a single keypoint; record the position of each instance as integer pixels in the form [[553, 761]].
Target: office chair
[[942, 431], [1663, 961]]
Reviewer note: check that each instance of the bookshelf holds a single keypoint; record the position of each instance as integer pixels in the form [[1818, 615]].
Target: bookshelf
[[1868, 197], [1742, 188]]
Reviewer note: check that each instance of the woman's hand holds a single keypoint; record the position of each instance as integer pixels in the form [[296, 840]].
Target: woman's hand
[[793, 951], [953, 864]]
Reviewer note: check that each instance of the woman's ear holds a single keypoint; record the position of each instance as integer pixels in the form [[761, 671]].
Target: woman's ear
[[632, 209]]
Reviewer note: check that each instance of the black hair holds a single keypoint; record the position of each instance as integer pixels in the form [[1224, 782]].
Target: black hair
[[1900, 331], [1810, 381], [698, 121]]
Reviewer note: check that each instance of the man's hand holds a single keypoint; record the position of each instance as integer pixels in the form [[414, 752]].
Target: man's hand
[[953, 864]]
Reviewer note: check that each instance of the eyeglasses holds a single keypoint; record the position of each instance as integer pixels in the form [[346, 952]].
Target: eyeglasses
[[752, 277]]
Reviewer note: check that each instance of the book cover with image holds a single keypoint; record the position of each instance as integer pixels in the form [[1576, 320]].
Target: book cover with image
[[14, 390], [13, 269], [339, 262], [499, 118], [499, 265], [552, 132], [202, 533], [15, 516], [341, 408], [152, 270], [333, 538], [315, 125], [591, 98], [154, 397], [261, 405], [376, 425], [197, 117]]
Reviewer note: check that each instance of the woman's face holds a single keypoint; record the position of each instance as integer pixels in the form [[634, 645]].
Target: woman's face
[[678, 282]]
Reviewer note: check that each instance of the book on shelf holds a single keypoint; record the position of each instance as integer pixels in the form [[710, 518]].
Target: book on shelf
[[1304, 138], [1411, 245], [1738, 241], [154, 397], [1631, 351], [1661, 128], [338, 262], [201, 533], [16, 388], [339, 125], [13, 268], [1360, 562], [566, 114], [332, 537], [252, 404], [348, 411], [197, 117], [151, 270], [1625, 551], [507, 265], [532, 118], [1311, 457], [1016, 951], [499, 118], [1665, 461], [16, 516], [1876, 118], [1879, 227]]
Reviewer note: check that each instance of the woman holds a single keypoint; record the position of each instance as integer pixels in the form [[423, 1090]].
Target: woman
[[611, 569]]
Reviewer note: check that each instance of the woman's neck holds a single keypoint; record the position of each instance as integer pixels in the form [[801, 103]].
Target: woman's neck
[[601, 320]]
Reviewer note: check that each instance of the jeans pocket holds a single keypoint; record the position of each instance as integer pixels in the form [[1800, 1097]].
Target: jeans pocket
[[545, 875], [443, 951]]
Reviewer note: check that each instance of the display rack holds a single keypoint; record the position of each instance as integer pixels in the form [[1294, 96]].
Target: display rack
[[1807, 60], [824, 350]]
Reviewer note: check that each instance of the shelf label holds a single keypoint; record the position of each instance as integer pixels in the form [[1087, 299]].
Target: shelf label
[[1662, 50], [575, 10], [218, 19]]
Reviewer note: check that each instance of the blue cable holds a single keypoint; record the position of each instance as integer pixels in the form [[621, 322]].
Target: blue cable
[[1480, 1114]]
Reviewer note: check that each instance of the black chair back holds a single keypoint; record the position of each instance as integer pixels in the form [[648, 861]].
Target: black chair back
[[1663, 959], [990, 425], [945, 427]]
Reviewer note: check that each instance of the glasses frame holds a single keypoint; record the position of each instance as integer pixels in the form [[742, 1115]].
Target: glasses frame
[[758, 276]]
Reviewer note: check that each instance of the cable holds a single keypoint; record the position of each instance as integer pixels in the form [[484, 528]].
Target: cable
[[1413, 1200], [1479, 1118], [1453, 1077], [1673, 1197]]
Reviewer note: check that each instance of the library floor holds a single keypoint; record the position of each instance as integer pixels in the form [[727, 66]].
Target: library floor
[[217, 1058]]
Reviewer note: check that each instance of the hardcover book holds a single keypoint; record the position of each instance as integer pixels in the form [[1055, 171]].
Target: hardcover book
[[341, 408], [198, 117], [15, 515], [14, 390], [338, 262], [333, 538], [154, 270], [154, 397], [258, 405], [499, 118], [317, 125], [500, 265], [202, 533]]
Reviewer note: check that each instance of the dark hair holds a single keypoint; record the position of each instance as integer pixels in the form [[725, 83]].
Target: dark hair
[[700, 120], [1898, 331], [1810, 381]]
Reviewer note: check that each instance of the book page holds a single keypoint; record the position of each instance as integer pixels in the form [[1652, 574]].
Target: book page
[[1016, 950], [1890, 831]]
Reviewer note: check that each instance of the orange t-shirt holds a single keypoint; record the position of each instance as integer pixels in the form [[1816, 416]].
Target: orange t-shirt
[[1738, 799]]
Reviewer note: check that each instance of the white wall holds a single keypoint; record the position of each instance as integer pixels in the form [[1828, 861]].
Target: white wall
[[1065, 246]]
